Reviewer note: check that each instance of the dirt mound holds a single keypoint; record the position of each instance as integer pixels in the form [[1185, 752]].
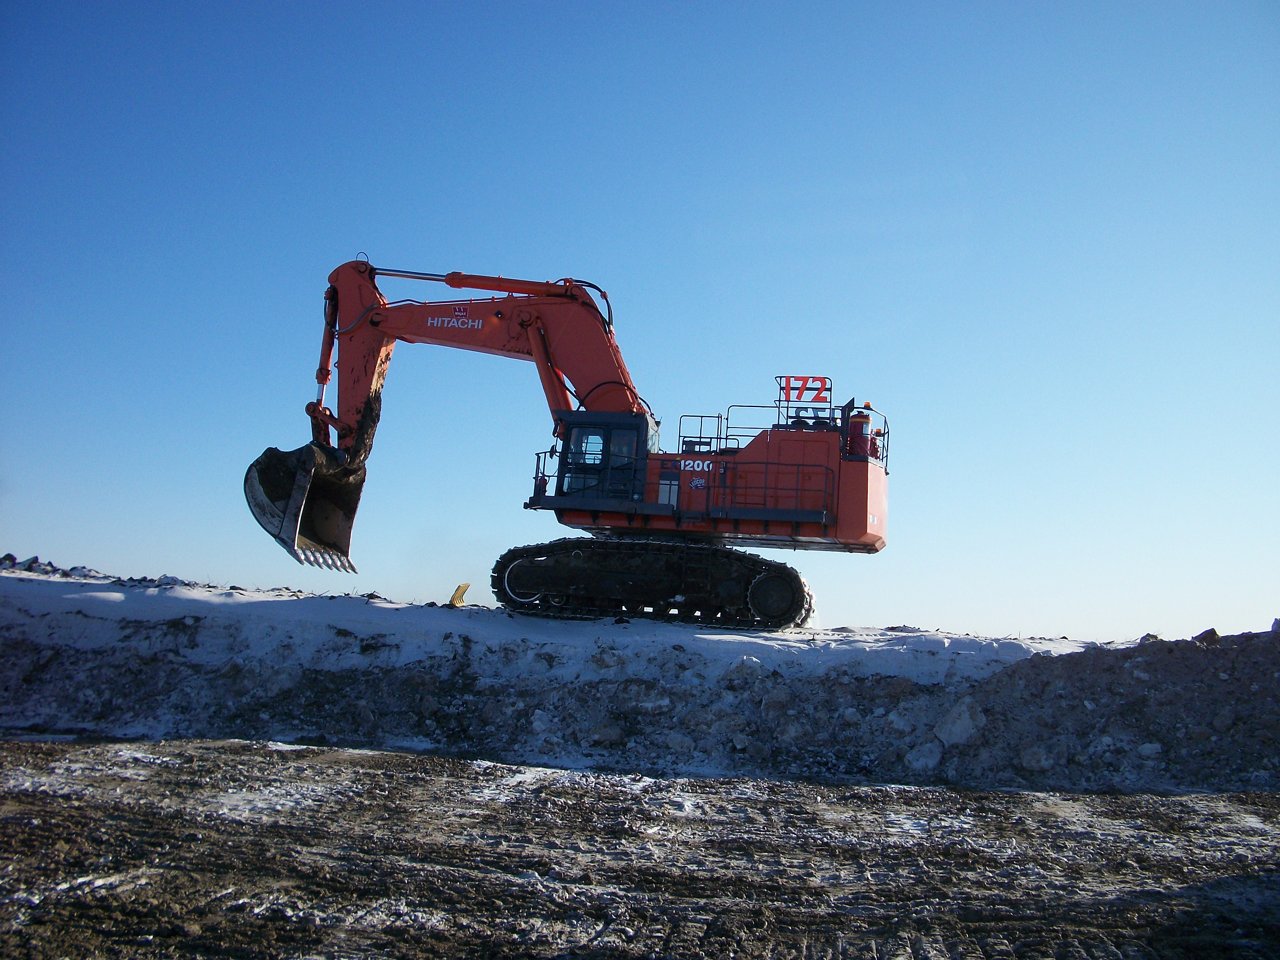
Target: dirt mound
[[185, 661]]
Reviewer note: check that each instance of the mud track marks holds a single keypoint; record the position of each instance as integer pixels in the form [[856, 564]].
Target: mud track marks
[[234, 849]]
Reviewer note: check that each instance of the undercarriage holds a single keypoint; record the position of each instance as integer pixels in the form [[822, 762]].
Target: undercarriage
[[692, 582]]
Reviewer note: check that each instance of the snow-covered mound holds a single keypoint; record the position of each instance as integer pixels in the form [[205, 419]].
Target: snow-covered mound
[[87, 654]]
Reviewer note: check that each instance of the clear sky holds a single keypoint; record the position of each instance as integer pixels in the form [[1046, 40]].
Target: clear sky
[[1043, 237]]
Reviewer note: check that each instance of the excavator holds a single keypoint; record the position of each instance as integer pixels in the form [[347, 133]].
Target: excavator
[[665, 526]]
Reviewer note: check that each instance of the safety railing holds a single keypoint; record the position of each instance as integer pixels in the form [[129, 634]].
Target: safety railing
[[722, 433], [544, 479]]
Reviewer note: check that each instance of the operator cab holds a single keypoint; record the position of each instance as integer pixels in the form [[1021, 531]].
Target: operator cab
[[603, 462]]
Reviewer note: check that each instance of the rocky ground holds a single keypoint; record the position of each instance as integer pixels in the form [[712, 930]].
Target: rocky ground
[[238, 849], [88, 655], [204, 771]]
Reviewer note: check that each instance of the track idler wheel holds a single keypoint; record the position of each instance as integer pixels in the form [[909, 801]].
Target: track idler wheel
[[520, 583], [777, 596]]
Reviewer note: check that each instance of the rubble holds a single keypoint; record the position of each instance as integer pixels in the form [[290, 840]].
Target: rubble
[[605, 789], [845, 705]]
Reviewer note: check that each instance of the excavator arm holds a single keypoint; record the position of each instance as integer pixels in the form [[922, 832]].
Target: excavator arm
[[307, 498]]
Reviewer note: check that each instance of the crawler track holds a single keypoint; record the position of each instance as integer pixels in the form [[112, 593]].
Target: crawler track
[[579, 578]]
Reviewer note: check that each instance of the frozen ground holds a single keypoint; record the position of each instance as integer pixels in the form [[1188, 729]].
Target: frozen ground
[[192, 770], [87, 654], [235, 849]]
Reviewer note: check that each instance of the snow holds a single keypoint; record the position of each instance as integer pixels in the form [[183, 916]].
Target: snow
[[84, 653], [298, 629]]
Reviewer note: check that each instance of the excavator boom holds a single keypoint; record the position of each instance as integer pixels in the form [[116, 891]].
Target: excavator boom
[[307, 498]]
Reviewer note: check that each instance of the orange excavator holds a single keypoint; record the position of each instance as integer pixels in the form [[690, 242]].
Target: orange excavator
[[801, 473]]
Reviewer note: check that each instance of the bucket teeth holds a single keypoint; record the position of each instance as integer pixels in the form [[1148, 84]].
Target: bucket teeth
[[324, 557]]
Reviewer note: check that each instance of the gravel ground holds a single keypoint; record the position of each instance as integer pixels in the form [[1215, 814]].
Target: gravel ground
[[252, 849], [195, 771]]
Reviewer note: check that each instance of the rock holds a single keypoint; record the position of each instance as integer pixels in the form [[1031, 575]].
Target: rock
[[1035, 759], [1149, 751], [901, 723], [1224, 719], [679, 743], [776, 701], [607, 735], [742, 674], [608, 659], [792, 731], [960, 723], [925, 757], [1208, 638]]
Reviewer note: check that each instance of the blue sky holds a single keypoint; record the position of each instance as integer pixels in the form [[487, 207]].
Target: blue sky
[[1042, 237]]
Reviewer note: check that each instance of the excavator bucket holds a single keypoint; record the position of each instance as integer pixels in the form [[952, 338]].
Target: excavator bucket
[[306, 499]]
